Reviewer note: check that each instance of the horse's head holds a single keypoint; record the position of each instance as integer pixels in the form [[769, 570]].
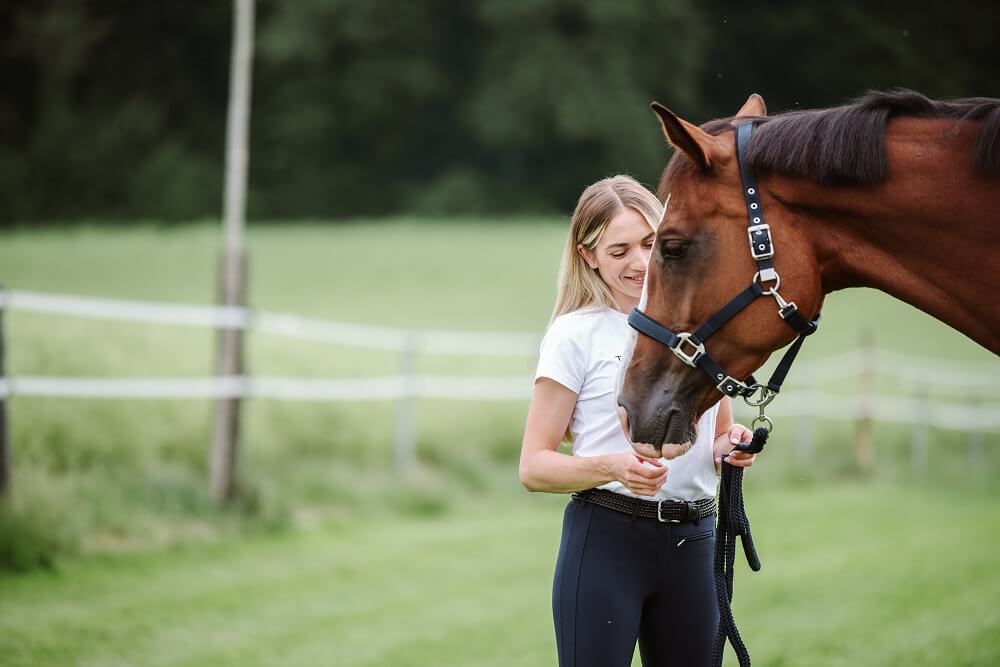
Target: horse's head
[[699, 262]]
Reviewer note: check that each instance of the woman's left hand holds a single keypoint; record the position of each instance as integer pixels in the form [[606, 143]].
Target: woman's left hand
[[725, 443]]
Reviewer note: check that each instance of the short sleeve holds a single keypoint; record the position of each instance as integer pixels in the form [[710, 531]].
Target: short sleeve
[[562, 356]]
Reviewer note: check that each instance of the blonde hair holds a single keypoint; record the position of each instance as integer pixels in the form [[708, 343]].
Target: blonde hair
[[579, 285]]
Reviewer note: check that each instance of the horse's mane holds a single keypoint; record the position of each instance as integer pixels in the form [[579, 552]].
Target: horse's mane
[[846, 144]]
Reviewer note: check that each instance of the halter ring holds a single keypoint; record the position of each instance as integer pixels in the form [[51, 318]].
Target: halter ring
[[769, 274], [766, 396]]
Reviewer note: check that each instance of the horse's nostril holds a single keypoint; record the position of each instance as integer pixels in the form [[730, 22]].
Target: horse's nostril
[[673, 420]]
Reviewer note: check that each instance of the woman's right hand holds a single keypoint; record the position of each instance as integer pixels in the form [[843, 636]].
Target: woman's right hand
[[641, 475]]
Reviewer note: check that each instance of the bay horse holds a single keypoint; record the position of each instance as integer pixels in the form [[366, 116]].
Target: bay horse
[[895, 191]]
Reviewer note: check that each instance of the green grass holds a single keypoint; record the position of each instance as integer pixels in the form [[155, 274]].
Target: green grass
[[451, 564], [854, 574], [94, 476]]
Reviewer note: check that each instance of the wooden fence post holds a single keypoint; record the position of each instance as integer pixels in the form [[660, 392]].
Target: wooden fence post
[[229, 363], [225, 439], [4, 433], [863, 448]]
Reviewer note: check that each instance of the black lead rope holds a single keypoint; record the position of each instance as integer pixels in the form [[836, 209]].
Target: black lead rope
[[733, 522]]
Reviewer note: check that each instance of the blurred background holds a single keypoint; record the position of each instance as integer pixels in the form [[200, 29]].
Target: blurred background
[[412, 169], [115, 110]]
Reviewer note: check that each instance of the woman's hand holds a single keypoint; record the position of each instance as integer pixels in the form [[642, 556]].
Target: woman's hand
[[725, 444], [641, 475]]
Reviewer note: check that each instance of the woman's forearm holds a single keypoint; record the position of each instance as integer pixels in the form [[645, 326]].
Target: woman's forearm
[[553, 472]]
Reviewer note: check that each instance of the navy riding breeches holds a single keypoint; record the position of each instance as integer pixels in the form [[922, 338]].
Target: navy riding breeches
[[620, 579]]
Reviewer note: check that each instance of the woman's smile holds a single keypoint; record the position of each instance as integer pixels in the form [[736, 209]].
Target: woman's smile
[[636, 280]]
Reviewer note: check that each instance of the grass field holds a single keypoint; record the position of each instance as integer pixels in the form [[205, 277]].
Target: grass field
[[854, 574], [329, 556], [97, 475]]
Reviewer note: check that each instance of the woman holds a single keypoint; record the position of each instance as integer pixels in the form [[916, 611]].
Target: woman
[[622, 574]]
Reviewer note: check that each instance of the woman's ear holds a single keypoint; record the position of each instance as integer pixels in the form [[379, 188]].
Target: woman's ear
[[586, 256]]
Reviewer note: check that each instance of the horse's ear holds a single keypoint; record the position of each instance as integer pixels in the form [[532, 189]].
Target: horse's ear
[[754, 106], [682, 135]]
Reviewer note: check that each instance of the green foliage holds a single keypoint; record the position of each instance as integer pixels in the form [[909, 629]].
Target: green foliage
[[116, 110], [35, 528], [815, 54]]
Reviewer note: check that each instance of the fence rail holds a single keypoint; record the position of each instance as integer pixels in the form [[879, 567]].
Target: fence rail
[[392, 387], [458, 343], [827, 405], [975, 408]]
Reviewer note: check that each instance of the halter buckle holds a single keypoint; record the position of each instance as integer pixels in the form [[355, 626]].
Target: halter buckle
[[689, 359], [761, 246], [732, 387]]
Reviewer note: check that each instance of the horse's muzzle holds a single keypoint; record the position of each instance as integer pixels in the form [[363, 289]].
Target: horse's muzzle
[[664, 428]]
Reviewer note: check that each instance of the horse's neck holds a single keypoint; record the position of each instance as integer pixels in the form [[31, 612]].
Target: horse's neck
[[929, 235]]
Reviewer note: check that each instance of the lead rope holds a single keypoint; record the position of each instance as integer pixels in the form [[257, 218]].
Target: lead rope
[[732, 522]]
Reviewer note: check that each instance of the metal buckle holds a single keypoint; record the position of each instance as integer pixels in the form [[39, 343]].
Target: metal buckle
[[689, 359], [659, 513], [691, 512], [731, 387], [765, 232]]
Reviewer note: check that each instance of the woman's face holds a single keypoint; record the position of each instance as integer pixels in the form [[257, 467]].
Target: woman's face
[[621, 256]]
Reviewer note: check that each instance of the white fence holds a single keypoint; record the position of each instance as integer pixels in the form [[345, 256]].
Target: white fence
[[966, 396]]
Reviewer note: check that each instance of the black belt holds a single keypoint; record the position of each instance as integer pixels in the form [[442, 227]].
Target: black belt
[[667, 511]]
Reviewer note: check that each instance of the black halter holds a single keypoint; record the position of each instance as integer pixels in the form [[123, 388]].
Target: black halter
[[733, 521], [689, 347]]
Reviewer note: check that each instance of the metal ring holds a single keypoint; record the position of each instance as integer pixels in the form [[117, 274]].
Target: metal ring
[[763, 420], [766, 396], [777, 282]]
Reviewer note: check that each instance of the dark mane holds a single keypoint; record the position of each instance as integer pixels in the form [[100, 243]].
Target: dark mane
[[846, 144]]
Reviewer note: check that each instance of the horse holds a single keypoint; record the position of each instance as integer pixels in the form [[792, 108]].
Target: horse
[[893, 191]]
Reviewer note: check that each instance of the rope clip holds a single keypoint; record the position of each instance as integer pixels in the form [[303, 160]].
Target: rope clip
[[763, 420], [766, 396]]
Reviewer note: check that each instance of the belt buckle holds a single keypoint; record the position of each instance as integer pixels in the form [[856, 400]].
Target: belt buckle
[[659, 513]]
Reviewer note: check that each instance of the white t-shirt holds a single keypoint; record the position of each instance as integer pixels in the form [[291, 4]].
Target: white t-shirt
[[582, 351]]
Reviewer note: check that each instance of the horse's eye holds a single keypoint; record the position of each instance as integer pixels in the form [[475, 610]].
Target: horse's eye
[[673, 249]]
